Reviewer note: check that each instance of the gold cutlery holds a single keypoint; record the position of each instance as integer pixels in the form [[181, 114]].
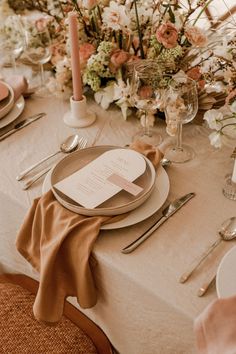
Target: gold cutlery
[[205, 286], [227, 232], [82, 145], [22, 124], [166, 214], [69, 145]]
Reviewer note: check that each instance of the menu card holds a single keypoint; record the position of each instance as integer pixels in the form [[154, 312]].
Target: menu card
[[104, 177]]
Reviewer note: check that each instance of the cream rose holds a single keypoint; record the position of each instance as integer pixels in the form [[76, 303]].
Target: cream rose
[[195, 36]]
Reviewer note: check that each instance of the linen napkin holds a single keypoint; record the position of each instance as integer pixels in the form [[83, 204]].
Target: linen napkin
[[58, 244], [19, 85], [215, 327]]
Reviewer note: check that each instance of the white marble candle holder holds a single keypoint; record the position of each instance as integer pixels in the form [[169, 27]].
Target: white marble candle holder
[[79, 115]]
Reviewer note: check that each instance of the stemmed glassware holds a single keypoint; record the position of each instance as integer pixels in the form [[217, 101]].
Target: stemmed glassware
[[146, 97], [12, 40], [181, 106], [38, 51]]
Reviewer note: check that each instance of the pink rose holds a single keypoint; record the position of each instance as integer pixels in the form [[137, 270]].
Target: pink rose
[[85, 52], [118, 58], [194, 73], [145, 92], [195, 36], [201, 84], [167, 35]]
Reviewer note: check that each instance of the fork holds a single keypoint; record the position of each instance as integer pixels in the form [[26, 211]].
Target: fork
[[82, 145]]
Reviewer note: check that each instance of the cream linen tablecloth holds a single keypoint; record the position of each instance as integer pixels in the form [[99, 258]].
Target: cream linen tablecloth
[[141, 306]]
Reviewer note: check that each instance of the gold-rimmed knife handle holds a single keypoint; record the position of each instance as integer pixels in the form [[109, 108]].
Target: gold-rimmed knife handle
[[133, 245], [205, 286], [184, 277], [35, 178]]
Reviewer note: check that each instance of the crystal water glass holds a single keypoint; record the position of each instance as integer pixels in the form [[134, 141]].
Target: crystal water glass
[[38, 51], [146, 97], [181, 106], [12, 41]]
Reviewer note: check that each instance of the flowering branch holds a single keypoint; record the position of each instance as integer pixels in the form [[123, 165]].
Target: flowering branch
[[201, 12], [139, 30]]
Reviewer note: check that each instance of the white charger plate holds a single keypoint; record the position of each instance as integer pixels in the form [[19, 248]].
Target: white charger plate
[[14, 113], [144, 211], [225, 276]]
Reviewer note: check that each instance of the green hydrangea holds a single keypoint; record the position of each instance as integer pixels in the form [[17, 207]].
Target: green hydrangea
[[92, 79], [98, 66], [172, 53], [105, 48], [155, 45]]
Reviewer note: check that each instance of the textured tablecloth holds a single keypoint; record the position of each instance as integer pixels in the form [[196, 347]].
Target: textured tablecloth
[[142, 307]]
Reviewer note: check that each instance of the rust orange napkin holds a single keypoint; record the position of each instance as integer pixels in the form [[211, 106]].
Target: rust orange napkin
[[215, 327], [58, 244]]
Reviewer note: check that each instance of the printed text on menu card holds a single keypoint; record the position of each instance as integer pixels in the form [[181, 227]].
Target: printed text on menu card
[[90, 186]]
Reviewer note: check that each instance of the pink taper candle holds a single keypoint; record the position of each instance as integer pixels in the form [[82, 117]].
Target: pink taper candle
[[75, 62]]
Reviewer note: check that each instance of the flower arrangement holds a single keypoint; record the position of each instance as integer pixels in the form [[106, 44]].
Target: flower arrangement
[[113, 34]]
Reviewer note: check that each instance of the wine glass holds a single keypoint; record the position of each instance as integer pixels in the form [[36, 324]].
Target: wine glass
[[12, 40], [146, 97], [181, 106], [38, 51]]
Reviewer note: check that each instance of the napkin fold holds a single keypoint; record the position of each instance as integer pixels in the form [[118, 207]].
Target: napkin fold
[[19, 85], [215, 327], [58, 244]]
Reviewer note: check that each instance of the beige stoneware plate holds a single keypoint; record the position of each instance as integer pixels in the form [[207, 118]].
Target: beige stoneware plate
[[122, 202]]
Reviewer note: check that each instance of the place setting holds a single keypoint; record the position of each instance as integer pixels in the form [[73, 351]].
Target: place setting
[[12, 102], [121, 194]]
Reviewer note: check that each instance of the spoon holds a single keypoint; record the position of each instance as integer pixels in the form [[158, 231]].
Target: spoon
[[82, 144], [69, 145], [227, 232]]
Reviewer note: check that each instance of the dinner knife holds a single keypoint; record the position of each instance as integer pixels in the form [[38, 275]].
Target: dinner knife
[[166, 214], [22, 124]]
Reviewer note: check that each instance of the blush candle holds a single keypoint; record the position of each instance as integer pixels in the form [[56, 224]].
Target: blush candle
[[75, 61]]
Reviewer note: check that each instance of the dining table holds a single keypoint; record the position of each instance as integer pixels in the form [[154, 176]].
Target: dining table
[[142, 307]]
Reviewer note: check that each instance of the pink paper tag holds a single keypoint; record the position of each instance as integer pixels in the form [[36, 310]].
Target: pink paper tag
[[123, 183]]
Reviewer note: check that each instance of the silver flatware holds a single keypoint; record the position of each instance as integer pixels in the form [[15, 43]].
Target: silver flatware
[[227, 232], [30, 182], [166, 214], [69, 145], [205, 286], [22, 124]]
